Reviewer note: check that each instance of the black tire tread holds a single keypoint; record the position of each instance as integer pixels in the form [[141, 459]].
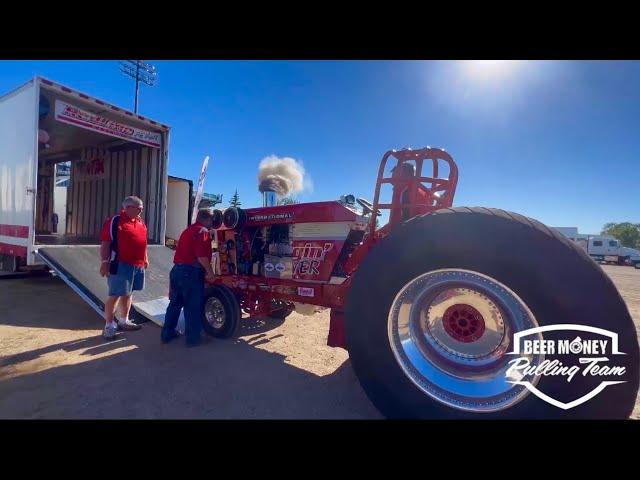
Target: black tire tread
[[369, 366], [533, 224]]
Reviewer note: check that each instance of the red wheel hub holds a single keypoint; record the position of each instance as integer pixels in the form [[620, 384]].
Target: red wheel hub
[[463, 323]]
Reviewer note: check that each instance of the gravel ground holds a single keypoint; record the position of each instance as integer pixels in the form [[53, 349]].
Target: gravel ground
[[54, 364]]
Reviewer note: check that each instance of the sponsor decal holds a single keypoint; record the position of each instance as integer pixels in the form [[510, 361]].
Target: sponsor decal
[[570, 351], [89, 169], [67, 113], [284, 289], [306, 291]]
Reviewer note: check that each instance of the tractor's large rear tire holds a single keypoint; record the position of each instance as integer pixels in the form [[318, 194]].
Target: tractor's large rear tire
[[485, 257]]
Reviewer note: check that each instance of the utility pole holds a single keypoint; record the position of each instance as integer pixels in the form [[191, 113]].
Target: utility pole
[[140, 71]]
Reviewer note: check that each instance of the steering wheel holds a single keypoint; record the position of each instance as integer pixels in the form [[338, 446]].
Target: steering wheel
[[367, 206]]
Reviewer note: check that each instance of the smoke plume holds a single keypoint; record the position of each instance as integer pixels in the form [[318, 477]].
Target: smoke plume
[[285, 176]]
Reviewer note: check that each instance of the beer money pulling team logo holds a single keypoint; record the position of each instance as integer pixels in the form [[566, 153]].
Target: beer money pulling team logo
[[596, 358]]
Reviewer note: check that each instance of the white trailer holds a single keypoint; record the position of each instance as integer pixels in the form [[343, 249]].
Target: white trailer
[[107, 153]]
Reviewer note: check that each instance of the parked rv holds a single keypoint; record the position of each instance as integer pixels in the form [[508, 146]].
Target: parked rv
[[603, 248]]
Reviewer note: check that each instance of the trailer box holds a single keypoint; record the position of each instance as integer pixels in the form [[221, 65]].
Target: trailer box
[[67, 160]]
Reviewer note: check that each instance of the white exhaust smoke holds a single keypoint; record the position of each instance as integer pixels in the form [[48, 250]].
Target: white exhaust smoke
[[284, 176]]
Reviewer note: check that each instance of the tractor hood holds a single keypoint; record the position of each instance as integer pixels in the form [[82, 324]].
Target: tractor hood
[[333, 211]]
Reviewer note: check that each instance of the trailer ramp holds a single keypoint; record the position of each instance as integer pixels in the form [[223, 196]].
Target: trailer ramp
[[79, 267]]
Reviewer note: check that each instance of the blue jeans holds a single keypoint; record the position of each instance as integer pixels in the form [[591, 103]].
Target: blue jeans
[[186, 291]]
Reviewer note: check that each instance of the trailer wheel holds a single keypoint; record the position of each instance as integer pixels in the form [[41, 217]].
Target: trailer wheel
[[433, 309], [221, 312]]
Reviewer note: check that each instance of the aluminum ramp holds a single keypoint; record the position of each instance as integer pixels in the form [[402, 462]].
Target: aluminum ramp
[[79, 267]]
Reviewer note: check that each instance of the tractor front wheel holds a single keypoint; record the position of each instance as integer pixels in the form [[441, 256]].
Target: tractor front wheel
[[221, 312]]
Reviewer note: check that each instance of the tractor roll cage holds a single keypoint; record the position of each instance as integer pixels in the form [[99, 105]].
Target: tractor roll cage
[[415, 184]]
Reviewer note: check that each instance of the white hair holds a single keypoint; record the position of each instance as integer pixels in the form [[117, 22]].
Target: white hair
[[132, 200]]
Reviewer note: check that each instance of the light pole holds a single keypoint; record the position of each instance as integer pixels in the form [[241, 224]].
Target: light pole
[[140, 71]]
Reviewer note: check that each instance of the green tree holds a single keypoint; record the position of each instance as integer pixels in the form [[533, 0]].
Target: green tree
[[628, 233], [235, 200]]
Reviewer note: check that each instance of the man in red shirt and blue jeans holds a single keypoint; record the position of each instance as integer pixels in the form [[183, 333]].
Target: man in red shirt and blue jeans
[[124, 259], [192, 265]]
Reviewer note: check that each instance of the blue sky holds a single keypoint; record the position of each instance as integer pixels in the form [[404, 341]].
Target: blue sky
[[557, 141]]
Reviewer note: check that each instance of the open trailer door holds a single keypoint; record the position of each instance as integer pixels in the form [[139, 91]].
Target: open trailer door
[[78, 266]]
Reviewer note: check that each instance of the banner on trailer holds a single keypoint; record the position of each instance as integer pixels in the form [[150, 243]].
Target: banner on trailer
[[89, 169], [67, 113], [200, 191]]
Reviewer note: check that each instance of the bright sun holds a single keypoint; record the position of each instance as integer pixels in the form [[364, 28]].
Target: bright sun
[[489, 68]]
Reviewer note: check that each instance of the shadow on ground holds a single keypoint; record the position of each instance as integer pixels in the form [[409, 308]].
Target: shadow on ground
[[46, 298], [230, 379]]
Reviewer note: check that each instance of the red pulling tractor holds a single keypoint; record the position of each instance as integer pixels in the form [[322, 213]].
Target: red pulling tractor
[[428, 306]]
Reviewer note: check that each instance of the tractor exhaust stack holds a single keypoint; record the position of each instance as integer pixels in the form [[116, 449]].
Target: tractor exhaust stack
[[269, 198]]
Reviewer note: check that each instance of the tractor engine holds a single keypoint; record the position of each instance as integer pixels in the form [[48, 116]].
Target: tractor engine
[[301, 242], [277, 259]]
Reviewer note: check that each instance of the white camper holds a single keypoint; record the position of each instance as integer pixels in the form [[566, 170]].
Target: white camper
[[603, 248]]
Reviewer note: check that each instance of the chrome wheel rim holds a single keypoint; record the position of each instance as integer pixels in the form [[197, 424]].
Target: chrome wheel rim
[[214, 312], [451, 330]]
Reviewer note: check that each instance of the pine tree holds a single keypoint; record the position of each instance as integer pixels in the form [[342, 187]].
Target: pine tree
[[235, 200]]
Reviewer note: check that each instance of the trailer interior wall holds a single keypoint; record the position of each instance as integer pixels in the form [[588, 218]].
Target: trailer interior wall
[[136, 170], [17, 164], [117, 169]]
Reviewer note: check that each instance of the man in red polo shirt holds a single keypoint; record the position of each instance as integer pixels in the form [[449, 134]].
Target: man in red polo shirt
[[124, 259], [192, 265]]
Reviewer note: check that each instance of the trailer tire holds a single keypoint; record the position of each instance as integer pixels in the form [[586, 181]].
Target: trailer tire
[[219, 297], [553, 277]]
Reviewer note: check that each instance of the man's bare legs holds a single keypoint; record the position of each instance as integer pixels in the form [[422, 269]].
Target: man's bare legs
[[110, 308], [125, 306]]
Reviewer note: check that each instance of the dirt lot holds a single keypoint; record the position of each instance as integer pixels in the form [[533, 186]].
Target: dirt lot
[[54, 364]]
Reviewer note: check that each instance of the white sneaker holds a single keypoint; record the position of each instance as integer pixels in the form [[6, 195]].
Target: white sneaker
[[109, 331], [128, 325]]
